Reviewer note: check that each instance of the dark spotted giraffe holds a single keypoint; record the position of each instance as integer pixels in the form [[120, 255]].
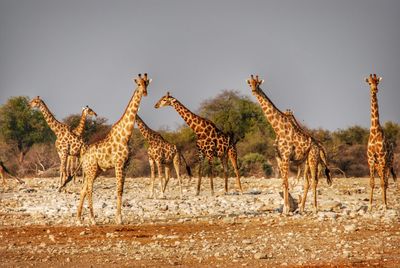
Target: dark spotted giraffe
[[211, 142]]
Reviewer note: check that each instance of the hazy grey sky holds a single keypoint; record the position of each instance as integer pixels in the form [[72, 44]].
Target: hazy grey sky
[[313, 55]]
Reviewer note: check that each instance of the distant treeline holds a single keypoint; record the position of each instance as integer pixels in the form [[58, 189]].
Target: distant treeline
[[27, 143]]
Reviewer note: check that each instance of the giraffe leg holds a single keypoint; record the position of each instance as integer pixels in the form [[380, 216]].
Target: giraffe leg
[[152, 171], [63, 171], [177, 164], [120, 188], [3, 178], [68, 166], [201, 160], [233, 157], [314, 177], [210, 163], [167, 177], [81, 201], [224, 162], [306, 187], [160, 167], [89, 193], [371, 182], [384, 183], [284, 168]]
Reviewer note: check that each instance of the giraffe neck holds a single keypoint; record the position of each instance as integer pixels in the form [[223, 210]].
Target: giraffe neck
[[375, 126], [272, 113], [53, 123], [124, 127], [79, 129], [191, 119], [147, 132]]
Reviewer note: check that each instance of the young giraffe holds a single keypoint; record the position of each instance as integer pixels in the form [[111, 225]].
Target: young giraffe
[[78, 130], [321, 161], [163, 154], [292, 144], [67, 143], [380, 151], [3, 171], [210, 142], [111, 152]]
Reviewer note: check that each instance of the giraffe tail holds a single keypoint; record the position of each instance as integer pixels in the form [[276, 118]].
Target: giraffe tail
[[188, 170], [393, 174], [327, 171]]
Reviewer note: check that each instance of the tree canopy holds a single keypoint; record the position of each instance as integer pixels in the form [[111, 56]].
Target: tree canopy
[[234, 114], [23, 126]]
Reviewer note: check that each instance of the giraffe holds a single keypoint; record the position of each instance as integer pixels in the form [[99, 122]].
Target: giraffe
[[321, 161], [111, 152], [292, 144], [380, 150], [67, 143], [211, 142], [78, 130], [3, 171], [161, 153]]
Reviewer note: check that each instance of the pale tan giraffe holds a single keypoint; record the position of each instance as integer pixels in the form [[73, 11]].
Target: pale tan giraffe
[[162, 154], [292, 144], [380, 151], [211, 142], [67, 143], [111, 152], [321, 159], [78, 130]]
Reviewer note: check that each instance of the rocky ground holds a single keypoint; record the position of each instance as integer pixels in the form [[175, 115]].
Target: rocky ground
[[38, 226]]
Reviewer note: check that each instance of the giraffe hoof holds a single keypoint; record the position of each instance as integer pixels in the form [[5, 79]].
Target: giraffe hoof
[[286, 210]]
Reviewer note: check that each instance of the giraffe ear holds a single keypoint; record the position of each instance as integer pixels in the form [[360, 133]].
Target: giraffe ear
[[149, 81], [248, 81], [366, 79], [380, 79], [134, 80], [261, 81]]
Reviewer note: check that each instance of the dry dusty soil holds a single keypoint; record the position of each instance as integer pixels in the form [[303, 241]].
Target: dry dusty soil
[[38, 226]]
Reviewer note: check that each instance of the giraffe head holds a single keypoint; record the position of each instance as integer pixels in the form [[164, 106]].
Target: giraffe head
[[167, 100], [142, 83], [88, 111], [373, 82], [36, 102], [254, 83]]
